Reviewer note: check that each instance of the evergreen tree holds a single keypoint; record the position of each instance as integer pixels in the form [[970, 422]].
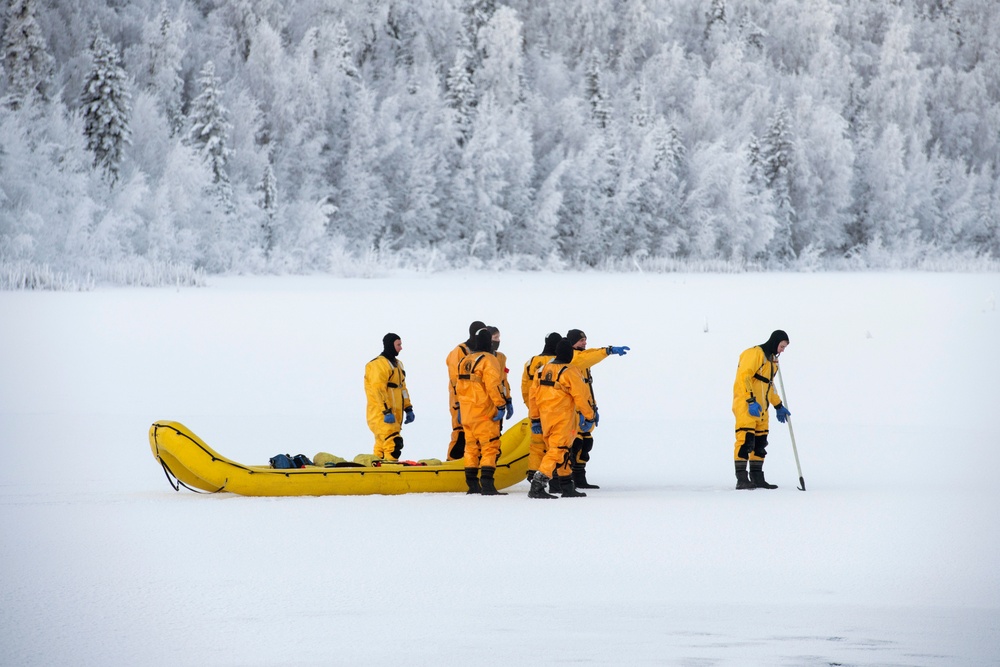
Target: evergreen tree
[[758, 169], [161, 66], [461, 95], [106, 104], [269, 204], [343, 50], [501, 70], [715, 17], [209, 131], [896, 93], [477, 13], [600, 108], [891, 214], [640, 34], [578, 234], [760, 209], [26, 60], [776, 157], [417, 165], [363, 203]]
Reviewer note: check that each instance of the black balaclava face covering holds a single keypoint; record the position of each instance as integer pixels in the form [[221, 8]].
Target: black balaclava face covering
[[473, 328], [574, 336], [389, 347], [564, 351], [551, 341], [771, 346], [494, 344], [484, 340]]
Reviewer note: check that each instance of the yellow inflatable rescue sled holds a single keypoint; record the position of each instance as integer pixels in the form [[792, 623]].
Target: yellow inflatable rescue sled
[[188, 460]]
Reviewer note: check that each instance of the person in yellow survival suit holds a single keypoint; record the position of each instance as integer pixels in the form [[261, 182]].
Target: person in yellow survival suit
[[753, 392], [559, 408], [482, 406], [584, 359], [388, 398], [537, 448], [456, 448]]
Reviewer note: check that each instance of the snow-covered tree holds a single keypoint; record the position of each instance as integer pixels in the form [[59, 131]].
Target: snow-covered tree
[[160, 64], [886, 212], [896, 93], [209, 125], [776, 155], [823, 172], [268, 201], [27, 64], [760, 210], [670, 179], [364, 202], [501, 69], [46, 206], [596, 92], [461, 94], [476, 14], [715, 17], [106, 104], [343, 50]]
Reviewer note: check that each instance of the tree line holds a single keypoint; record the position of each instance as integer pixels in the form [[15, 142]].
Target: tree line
[[158, 140]]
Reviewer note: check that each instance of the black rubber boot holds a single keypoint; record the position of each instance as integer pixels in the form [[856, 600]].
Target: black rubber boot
[[580, 477], [472, 479], [757, 476], [742, 479], [569, 488], [537, 489], [554, 484], [486, 480]]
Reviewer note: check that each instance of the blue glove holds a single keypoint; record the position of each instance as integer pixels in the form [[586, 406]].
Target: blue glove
[[585, 424], [754, 409], [782, 413], [620, 351], [536, 427], [408, 415], [597, 417], [389, 418], [500, 412], [510, 408]]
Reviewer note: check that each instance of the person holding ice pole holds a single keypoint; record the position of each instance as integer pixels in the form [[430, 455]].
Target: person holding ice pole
[[753, 393]]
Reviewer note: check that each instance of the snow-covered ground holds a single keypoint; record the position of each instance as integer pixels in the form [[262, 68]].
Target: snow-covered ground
[[889, 558]]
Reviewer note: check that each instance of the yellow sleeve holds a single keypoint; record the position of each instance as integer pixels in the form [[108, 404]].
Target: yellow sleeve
[[452, 360], [750, 361], [376, 378], [526, 378], [532, 402], [584, 359]]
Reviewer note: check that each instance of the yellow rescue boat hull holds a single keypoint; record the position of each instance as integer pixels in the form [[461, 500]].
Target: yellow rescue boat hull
[[189, 460]]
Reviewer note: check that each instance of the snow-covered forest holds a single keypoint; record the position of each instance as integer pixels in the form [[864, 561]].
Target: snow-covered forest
[[160, 140]]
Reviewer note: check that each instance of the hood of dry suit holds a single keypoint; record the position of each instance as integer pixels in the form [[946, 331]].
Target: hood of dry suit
[[483, 340], [389, 347], [551, 342], [564, 352], [771, 346], [473, 328]]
